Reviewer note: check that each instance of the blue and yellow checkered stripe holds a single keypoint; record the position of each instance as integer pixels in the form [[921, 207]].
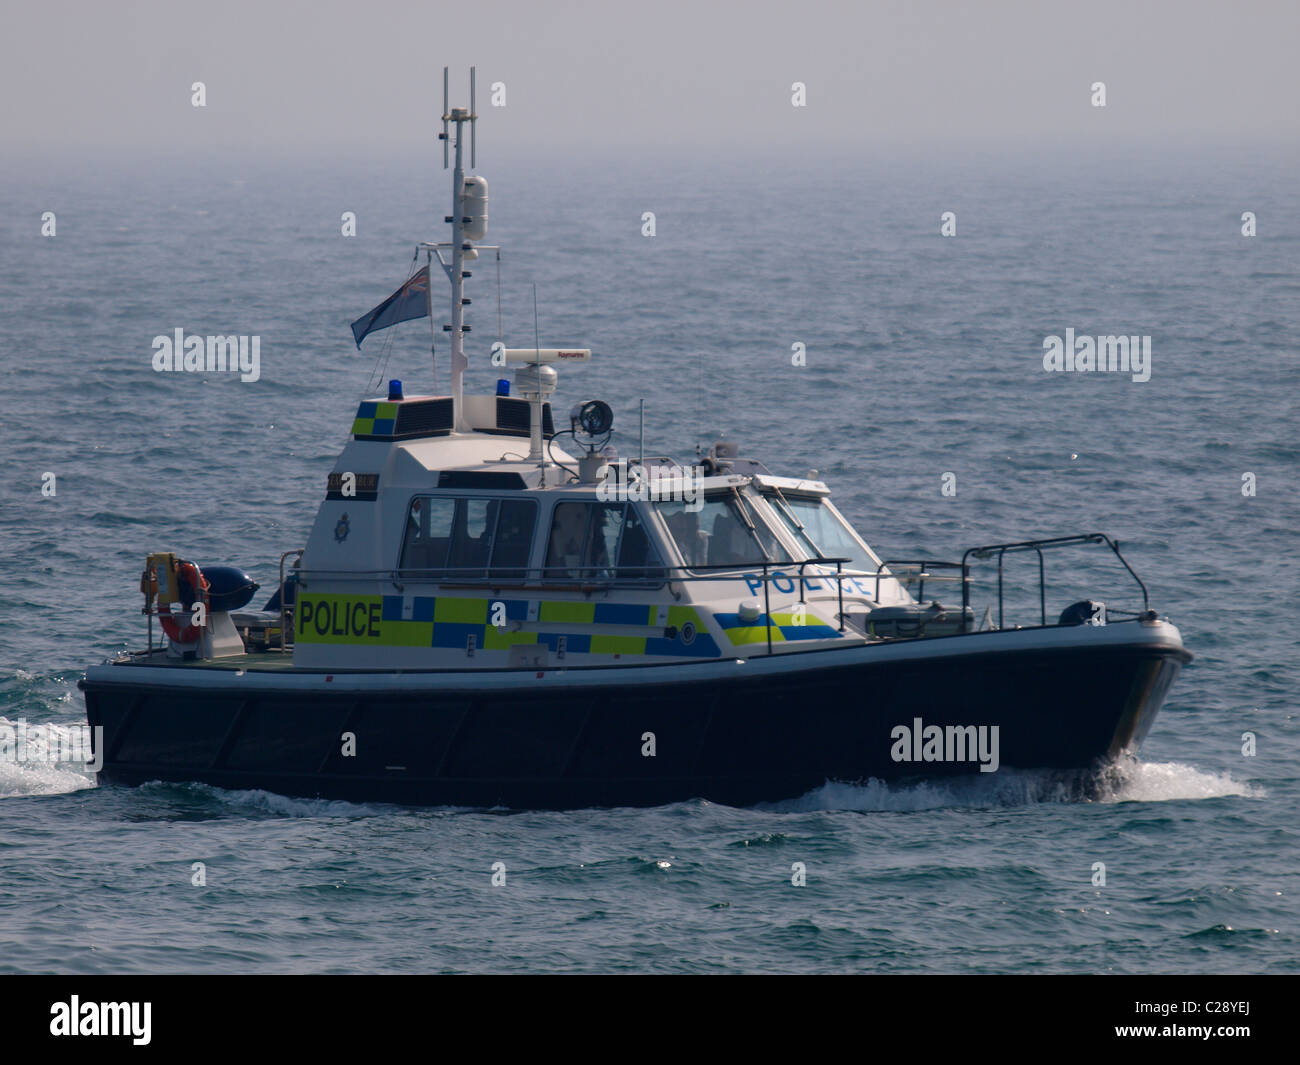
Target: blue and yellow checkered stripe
[[445, 621], [784, 626], [375, 419]]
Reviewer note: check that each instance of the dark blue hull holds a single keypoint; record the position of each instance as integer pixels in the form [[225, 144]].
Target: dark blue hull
[[739, 740]]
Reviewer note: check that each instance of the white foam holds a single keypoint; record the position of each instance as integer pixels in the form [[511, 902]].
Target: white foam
[[1125, 781], [19, 780], [1134, 781], [255, 799], [36, 775]]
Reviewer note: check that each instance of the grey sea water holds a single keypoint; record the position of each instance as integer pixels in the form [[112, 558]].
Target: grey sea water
[[924, 357]]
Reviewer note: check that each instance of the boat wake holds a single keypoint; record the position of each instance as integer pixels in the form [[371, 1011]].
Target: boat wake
[[1129, 780], [29, 768], [256, 803]]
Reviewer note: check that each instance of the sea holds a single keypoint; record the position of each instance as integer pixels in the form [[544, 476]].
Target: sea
[[804, 305]]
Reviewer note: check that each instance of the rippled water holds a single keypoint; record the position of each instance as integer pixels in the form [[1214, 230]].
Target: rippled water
[[924, 358]]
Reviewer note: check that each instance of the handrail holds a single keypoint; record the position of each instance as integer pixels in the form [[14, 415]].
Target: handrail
[[589, 580], [284, 625], [839, 582], [983, 553], [923, 563], [607, 575]]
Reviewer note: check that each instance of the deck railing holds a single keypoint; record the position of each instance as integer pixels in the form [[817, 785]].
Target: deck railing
[[589, 580], [1038, 546], [285, 632]]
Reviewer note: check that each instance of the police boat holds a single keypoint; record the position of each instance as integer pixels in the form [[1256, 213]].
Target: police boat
[[483, 617]]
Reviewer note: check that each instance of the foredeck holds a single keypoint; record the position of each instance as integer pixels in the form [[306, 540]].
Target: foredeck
[[258, 662]]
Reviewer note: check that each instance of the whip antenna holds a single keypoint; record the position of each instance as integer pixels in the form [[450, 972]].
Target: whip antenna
[[446, 143]]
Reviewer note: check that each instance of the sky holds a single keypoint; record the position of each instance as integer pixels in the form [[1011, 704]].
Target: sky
[[346, 76]]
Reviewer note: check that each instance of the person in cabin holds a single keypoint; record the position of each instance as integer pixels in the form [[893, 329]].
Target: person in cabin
[[691, 540], [564, 553]]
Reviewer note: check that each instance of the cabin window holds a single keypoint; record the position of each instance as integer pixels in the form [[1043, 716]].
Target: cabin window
[[637, 556], [513, 541], [599, 541], [821, 531], [471, 538], [428, 535], [725, 531], [448, 537]]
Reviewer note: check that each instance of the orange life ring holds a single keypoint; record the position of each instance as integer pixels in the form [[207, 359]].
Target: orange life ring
[[192, 585]]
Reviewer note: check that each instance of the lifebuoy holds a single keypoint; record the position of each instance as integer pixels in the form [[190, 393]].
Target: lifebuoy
[[193, 586]]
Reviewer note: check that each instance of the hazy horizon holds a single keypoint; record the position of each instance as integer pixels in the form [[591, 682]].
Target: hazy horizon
[[352, 79]]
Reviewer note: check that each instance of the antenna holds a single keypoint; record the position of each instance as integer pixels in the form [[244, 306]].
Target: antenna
[[461, 245], [468, 221], [537, 336], [446, 141], [537, 413]]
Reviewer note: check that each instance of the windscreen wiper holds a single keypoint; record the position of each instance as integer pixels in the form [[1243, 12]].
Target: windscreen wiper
[[749, 524], [803, 530]]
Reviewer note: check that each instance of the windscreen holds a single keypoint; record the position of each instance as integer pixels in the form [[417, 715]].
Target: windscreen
[[724, 532], [821, 531]]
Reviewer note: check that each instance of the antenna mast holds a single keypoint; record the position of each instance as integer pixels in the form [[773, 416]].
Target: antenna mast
[[468, 222]]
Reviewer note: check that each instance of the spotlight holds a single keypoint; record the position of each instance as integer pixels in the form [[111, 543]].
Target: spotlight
[[592, 418]]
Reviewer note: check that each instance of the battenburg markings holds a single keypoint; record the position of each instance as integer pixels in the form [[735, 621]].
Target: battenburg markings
[[375, 419], [448, 621], [783, 627]]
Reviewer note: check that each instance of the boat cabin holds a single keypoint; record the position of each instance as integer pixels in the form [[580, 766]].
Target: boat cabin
[[442, 549]]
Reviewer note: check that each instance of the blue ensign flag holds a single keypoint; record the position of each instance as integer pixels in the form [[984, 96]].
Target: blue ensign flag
[[409, 301]]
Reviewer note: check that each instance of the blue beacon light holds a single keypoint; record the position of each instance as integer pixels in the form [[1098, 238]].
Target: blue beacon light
[[395, 389], [503, 386]]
